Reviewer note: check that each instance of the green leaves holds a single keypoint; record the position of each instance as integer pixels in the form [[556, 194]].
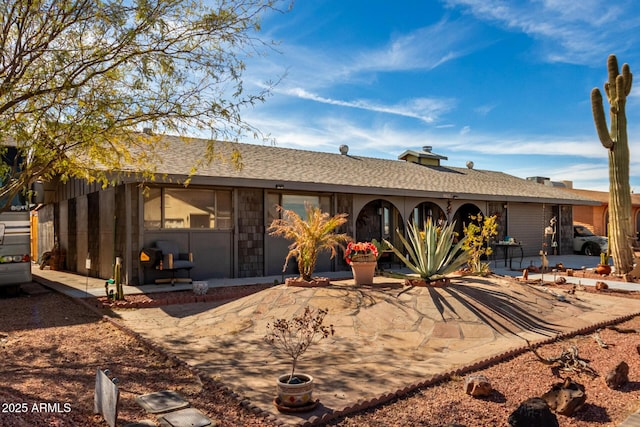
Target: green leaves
[[432, 253], [78, 76], [479, 233]]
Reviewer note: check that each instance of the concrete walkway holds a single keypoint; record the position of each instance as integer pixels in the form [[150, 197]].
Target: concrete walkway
[[389, 338], [79, 286]]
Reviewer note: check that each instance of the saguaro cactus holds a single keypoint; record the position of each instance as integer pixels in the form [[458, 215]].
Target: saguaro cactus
[[615, 141]]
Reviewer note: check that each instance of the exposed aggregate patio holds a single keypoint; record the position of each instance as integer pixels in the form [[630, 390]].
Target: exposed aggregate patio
[[389, 339]]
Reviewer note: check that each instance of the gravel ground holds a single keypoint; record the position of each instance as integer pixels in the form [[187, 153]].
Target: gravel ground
[[52, 346]]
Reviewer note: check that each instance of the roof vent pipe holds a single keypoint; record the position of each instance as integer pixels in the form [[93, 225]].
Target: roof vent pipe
[[427, 148], [344, 149], [470, 164]]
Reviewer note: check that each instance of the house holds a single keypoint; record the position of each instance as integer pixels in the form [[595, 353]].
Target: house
[[596, 217], [222, 217]]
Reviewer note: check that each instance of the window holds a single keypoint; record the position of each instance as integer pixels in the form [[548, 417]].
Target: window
[[295, 202], [188, 208]]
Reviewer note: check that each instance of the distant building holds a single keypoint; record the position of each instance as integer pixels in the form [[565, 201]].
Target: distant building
[[596, 217]]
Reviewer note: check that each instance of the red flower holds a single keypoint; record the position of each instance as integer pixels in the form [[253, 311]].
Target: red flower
[[359, 248]]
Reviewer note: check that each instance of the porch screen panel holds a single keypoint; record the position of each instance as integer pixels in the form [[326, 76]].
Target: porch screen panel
[[526, 224]]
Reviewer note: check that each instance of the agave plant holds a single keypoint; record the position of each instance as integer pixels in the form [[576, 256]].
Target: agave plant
[[432, 253], [309, 236]]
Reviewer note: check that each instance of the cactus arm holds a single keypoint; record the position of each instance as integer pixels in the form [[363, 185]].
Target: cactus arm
[[599, 120], [628, 78], [612, 66], [621, 89]]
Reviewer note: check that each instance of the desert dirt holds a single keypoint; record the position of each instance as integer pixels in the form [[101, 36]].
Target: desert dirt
[[52, 345]]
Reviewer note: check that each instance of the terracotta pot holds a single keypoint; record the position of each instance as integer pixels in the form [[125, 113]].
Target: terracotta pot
[[603, 269], [363, 272], [295, 395], [57, 259]]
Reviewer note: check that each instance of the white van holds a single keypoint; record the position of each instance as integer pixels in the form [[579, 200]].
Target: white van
[[15, 248]]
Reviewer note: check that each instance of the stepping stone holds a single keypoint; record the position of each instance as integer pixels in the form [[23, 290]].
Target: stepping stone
[[161, 401], [141, 423], [189, 417], [632, 421]]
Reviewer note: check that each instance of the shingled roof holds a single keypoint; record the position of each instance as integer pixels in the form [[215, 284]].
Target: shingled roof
[[270, 166]]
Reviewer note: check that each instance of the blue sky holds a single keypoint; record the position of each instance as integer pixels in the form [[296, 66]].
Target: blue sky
[[505, 84]]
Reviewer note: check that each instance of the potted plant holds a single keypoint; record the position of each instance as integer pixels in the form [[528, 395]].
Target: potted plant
[[309, 237], [293, 337], [362, 257], [604, 268], [432, 254]]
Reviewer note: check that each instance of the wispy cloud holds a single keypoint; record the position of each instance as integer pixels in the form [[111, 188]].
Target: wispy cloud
[[571, 31], [417, 50], [425, 109], [314, 70]]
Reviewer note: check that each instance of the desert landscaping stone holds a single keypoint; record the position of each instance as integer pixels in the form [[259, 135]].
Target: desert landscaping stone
[[618, 376], [533, 412], [565, 398], [477, 385]]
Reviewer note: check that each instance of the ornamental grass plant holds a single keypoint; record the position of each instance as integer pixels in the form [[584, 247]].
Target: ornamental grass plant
[[309, 236]]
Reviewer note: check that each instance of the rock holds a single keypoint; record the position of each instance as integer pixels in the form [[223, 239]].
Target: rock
[[618, 376], [533, 412], [525, 274], [565, 398], [560, 280], [601, 285], [477, 385]]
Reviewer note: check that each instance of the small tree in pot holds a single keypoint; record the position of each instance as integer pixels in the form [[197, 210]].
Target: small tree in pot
[[293, 337]]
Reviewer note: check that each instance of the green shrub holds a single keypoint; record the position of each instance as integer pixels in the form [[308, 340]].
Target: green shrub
[[478, 234]]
